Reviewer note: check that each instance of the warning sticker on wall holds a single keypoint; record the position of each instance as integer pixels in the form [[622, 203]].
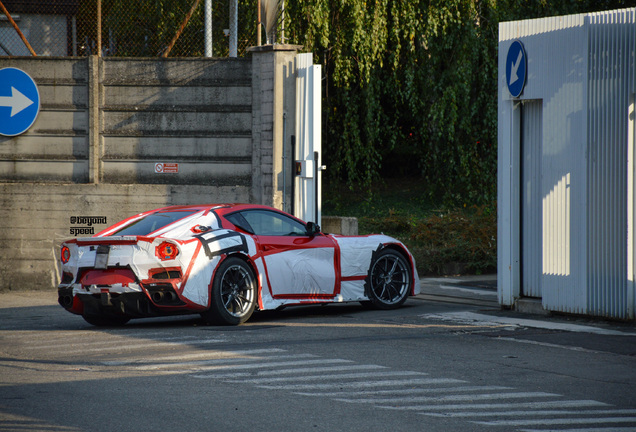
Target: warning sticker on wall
[[166, 168]]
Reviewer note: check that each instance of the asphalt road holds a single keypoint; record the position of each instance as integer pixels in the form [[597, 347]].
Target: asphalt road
[[448, 360]]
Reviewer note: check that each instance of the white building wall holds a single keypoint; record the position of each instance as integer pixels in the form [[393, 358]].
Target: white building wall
[[612, 71], [583, 160]]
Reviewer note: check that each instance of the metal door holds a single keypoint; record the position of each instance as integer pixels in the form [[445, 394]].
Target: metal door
[[531, 198]]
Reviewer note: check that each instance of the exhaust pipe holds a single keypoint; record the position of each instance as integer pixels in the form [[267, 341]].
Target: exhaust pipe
[[157, 296], [66, 301]]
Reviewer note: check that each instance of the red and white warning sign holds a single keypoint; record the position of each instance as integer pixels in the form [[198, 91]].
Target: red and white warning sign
[[166, 168]]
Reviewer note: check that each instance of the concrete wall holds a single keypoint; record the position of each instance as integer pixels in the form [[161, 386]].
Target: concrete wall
[[103, 126]]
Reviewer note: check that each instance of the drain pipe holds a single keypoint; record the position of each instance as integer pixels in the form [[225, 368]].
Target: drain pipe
[[284, 162]]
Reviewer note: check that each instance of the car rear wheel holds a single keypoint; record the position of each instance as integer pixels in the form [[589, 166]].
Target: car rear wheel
[[389, 280], [106, 320], [233, 294]]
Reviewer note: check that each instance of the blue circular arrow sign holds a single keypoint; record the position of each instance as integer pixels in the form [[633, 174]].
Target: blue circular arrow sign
[[19, 101], [516, 68]]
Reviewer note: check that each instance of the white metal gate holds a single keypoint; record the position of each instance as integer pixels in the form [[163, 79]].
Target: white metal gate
[[307, 195]]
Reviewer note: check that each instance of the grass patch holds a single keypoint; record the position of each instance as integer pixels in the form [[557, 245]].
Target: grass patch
[[443, 240]]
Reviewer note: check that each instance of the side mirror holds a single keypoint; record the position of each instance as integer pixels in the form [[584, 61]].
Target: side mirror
[[313, 229]]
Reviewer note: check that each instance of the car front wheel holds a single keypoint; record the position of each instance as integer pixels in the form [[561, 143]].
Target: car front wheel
[[389, 280]]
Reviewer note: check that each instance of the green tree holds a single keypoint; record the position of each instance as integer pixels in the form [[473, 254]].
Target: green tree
[[411, 86]]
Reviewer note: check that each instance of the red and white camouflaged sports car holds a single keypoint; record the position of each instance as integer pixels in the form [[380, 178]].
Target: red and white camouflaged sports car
[[223, 261]]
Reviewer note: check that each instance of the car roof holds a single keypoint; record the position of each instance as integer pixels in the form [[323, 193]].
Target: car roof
[[219, 208]]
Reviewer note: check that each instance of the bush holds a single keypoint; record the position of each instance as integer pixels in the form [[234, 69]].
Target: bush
[[446, 241], [456, 241]]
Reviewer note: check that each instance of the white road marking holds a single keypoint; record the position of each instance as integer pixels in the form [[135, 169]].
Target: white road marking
[[512, 406], [362, 384], [332, 377], [559, 421], [530, 413], [477, 291], [264, 364], [403, 391], [545, 344], [320, 369], [612, 429], [472, 318], [221, 363], [470, 397]]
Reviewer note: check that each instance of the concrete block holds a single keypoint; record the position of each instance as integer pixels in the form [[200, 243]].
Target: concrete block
[[339, 225], [530, 306]]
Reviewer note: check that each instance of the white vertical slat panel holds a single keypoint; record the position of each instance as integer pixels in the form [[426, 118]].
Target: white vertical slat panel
[[564, 164], [556, 75], [611, 68], [307, 198], [531, 198], [631, 207]]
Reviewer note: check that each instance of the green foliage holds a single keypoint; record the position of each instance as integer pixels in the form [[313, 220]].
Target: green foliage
[[411, 86], [467, 237], [443, 240]]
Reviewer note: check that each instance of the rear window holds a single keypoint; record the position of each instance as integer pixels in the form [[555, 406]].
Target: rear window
[[153, 222]]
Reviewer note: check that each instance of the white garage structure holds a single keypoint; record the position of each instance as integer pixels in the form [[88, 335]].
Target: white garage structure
[[567, 162]]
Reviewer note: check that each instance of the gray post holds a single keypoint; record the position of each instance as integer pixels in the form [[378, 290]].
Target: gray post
[[208, 28], [233, 28], [94, 148]]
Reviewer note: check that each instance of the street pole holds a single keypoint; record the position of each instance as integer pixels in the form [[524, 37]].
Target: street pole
[[233, 28], [208, 28]]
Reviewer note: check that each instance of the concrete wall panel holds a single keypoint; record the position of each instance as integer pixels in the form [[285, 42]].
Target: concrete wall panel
[[177, 71], [43, 147], [136, 123], [189, 172], [44, 170], [200, 147], [103, 125], [142, 97], [60, 122]]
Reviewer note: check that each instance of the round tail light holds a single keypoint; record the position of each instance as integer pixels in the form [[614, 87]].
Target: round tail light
[[65, 254]]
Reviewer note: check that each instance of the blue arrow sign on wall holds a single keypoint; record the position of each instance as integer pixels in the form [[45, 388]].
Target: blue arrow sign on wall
[[516, 68], [19, 101]]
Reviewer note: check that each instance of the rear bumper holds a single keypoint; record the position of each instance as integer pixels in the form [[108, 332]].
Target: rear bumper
[[130, 304]]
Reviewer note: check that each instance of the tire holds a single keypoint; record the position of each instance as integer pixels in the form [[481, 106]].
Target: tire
[[233, 293], [389, 280], [106, 320]]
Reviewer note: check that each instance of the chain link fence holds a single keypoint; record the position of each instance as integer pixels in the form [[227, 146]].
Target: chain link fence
[[141, 28]]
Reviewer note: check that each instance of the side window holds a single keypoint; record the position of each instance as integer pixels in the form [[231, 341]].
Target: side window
[[238, 220], [269, 223]]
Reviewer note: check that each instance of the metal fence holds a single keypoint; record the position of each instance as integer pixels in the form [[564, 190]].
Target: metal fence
[[140, 28]]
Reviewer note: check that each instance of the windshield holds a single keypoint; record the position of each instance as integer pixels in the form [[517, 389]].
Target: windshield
[[153, 222]]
